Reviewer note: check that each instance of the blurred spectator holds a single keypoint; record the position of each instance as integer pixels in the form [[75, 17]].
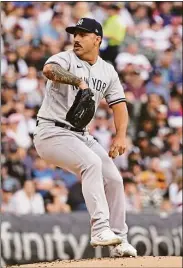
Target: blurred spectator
[[56, 198], [36, 57], [30, 80], [155, 167], [165, 12], [175, 192], [18, 131], [134, 84], [12, 63], [133, 203], [43, 176], [6, 195], [155, 37], [27, 201], [9, 182], [81, 10], [140, 14], [151, 196], [114, 33], [131, 56], [53, 33], [16, 167], [166, 206], [45, 13], [149, 108], [67, 177], [157, 86]]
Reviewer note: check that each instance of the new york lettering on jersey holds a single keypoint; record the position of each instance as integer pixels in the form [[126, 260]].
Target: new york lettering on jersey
[[95, 84]]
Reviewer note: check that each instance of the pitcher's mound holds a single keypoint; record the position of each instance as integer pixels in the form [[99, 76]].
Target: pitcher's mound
[[138, 262]]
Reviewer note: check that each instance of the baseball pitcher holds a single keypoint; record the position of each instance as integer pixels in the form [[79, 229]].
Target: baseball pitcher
[[77, 81]]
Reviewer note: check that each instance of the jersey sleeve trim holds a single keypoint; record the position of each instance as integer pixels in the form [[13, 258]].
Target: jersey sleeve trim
[[52, 62], [117, 101]]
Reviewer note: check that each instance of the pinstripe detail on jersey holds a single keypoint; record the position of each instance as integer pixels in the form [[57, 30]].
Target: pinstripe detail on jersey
[[117, 101]]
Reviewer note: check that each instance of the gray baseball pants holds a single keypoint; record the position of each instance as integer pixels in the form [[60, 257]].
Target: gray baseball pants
[[102, 185]]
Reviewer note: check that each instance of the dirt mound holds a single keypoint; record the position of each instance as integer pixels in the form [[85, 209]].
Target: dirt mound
[[111, 262]]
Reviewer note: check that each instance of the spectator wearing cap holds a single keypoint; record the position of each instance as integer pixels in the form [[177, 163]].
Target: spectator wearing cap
[[157, 86], [114, 33], [27, 201]]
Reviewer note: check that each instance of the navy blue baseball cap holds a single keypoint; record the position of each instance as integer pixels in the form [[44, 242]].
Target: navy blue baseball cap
[[87, 25]]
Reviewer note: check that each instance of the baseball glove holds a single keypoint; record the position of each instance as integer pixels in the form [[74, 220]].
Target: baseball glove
[[82, 109]]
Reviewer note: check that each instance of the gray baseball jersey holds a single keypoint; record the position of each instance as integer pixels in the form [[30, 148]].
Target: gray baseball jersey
[[100, 77]]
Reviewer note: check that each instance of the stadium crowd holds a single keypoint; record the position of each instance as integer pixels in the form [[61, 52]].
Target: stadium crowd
[[143, 40]]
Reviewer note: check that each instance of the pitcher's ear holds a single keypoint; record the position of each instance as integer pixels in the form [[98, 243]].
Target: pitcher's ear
[[99, 40]]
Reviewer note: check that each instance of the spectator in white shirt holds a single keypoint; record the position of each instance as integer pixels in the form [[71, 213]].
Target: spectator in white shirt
[[27, 201], [18, 131], [175, 192], [29, 83], [131, 56], [155, 36]]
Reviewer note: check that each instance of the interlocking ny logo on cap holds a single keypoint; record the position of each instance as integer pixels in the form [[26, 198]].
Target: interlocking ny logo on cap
[[80, 22]]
